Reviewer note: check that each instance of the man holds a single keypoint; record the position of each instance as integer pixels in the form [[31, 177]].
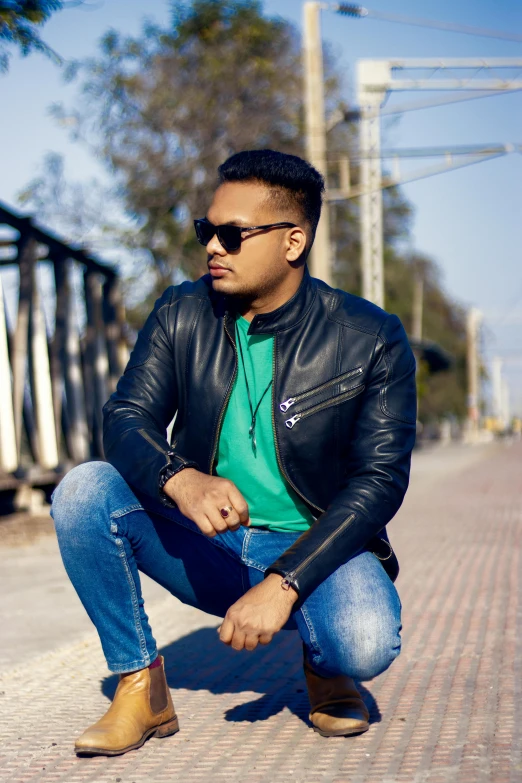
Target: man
[[294, 409]]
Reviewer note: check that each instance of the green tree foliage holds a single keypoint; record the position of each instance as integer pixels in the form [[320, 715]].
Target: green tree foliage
[[165, 108], [19, 20]]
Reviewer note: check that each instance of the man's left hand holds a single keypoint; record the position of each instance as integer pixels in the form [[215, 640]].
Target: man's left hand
[[258, 615]]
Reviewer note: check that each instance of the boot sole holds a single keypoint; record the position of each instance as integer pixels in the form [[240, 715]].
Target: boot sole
[[164, 730], [342, 733]]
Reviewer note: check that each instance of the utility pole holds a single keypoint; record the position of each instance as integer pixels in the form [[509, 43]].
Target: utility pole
[[506, 413], [496, 383], [500, 394], [473, 324], [377, 78], [373, 79], [320, 257], [418, 305]]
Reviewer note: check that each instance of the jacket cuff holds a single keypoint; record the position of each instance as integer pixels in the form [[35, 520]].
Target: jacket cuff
[[333, 539], [287, 577], [305, 579], [287, 581], [173, 466]]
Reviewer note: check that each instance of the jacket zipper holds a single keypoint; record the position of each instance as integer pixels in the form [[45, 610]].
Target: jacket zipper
[[223, 409], [278, 455], [283, 406], [149, 439], [327, 541], [290, 423]]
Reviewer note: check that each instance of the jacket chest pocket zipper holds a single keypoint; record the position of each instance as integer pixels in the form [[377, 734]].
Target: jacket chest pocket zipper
[[283, 406], [290, 423]]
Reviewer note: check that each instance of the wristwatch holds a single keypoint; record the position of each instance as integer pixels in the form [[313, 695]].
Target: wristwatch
[[172, 467], [166, 473]]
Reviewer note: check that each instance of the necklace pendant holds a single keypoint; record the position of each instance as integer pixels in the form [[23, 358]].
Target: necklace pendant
[[252, 433]]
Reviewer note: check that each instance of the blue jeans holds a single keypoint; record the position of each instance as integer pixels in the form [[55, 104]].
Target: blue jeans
[[349, 625]]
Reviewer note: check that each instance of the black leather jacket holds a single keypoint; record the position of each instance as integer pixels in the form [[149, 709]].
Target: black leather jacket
[[344, 411]]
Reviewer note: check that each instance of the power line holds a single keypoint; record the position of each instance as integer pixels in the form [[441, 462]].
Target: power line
[[509, 309], [436, 152], [444, 101], [358, 11], [351, 115]]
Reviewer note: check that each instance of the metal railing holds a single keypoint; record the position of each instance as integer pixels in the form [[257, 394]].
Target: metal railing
[[54, 376]]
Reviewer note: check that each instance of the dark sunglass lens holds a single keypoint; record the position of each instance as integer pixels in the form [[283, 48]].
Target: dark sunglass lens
[[204, 231], [230, 237]]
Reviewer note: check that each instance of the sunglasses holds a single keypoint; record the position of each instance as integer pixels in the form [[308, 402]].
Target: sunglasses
[[229, 236]]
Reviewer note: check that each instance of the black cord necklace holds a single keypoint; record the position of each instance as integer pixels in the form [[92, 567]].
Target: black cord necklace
[[252, 430]]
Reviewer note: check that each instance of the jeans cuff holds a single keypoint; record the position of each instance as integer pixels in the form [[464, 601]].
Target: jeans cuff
[[132, 666]]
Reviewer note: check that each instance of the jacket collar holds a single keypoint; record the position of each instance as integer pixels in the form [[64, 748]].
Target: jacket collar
[[286, 316]]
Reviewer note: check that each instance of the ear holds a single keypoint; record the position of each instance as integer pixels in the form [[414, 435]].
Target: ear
[[296, 243]]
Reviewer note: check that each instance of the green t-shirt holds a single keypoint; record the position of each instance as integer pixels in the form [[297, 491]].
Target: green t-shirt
[[272, 502]]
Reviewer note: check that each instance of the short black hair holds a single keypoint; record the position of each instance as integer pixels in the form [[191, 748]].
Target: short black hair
[[295, 181]]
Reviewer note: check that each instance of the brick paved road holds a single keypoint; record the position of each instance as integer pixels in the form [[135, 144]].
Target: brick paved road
[[448, 710]]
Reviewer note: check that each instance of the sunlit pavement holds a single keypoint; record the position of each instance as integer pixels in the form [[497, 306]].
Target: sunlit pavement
[[448, 711]]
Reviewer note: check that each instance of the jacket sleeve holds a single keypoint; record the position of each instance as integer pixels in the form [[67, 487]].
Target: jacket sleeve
[[377, 469], [136, 416]]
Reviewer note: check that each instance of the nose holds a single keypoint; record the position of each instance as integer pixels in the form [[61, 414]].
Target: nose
[[215, 248]]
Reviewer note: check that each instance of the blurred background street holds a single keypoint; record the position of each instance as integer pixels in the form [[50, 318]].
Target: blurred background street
[[114, 118]]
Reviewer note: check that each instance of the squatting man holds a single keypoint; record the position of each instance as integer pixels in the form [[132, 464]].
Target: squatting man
[[294, 407]]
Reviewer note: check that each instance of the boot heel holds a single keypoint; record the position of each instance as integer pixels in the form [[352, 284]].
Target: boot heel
[[166, 729]]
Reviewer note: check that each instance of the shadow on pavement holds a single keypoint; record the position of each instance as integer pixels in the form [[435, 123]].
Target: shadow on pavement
[[199, 661]]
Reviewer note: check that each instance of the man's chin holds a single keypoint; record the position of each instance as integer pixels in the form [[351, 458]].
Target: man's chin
[[223, 286], [230, 287]]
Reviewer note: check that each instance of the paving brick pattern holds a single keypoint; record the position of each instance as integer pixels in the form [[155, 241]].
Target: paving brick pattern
[[447, 711]]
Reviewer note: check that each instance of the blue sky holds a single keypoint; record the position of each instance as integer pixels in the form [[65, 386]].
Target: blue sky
[[470, 220]]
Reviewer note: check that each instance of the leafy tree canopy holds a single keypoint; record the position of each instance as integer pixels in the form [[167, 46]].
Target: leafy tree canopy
[[162, 110], [19, 20]]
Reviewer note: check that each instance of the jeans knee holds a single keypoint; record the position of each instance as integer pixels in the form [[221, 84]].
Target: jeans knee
[[369, 663], [366, 648], [79, 493]]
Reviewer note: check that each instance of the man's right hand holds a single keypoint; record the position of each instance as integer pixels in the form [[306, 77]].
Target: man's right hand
[[200, 497]]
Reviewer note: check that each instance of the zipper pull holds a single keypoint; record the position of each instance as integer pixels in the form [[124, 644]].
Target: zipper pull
[[293, 421], [283, 406]]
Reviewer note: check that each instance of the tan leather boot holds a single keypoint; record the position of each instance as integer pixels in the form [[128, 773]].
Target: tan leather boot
[[142, 707], [336, 706]]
